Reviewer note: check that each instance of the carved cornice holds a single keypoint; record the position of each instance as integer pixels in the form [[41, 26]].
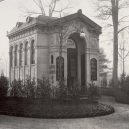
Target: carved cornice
[[22, 34]]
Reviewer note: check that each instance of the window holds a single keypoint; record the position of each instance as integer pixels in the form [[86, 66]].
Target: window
[[59, 68], [16, 52], [93, 63], [21, 55], [26, 53], [52, 59], [32, 52], [11, 56]]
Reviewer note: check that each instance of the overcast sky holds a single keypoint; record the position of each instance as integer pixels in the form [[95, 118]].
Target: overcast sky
[[12, 11]]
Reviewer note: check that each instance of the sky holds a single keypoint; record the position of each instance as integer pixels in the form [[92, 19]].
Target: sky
[[12, 11]]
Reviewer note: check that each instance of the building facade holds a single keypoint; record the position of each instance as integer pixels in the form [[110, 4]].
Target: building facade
[[35, 48]]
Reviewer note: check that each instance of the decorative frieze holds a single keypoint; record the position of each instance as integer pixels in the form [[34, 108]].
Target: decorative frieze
[[23, 34]]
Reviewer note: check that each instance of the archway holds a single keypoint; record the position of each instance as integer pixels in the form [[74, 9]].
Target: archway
[[76, 61]]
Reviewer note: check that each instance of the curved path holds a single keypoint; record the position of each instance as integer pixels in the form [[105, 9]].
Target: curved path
[[117, 120]]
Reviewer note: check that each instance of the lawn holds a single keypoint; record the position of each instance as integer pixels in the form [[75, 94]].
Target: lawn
[[39, 108]]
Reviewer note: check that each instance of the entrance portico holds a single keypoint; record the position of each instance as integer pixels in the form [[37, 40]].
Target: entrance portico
[[76, 61]]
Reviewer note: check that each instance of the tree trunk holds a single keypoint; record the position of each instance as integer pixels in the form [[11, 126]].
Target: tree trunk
[[115, 42]]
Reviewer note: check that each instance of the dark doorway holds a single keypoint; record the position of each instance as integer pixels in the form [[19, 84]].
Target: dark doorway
[[83, 72], [71, 67]]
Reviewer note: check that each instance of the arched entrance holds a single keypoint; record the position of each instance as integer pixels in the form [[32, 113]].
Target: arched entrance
[[76, 61]]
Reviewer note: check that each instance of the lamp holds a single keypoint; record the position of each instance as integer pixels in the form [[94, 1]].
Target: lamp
[[82, 34]]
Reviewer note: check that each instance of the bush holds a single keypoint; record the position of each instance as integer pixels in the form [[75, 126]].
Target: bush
[[16, 88], [121, 96], [43, 89], [122, 93], [60, 91], [93, 91], [3, 86], [20, 89], [75, 91], [125, 86], [29, 88], [106, 91]]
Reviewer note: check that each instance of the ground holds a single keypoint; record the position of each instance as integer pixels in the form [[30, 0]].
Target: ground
[[117, 120]]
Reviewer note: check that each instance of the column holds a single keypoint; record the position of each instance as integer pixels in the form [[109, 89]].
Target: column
[[24, 62], [18, 62], [29, 58], [9, 66], [13, 64], [88, 74]]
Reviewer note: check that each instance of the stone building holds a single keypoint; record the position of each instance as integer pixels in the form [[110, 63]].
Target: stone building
[[35, 47]]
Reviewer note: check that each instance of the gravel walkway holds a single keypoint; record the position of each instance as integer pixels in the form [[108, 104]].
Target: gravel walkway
[[117, 120]]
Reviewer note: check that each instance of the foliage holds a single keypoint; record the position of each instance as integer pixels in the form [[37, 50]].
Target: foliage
[[121, 96], [43, 89], [93, 91], [23, 89], [61, 90], [103, 61], [29, 88], [122, 79], [110, 83], [3, 86], [16, 88], [104, 82], [75, 91], [106, 91], [56, 109], [125, 84]]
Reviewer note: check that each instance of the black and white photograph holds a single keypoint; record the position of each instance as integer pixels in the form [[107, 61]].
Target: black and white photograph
[[64, 64]]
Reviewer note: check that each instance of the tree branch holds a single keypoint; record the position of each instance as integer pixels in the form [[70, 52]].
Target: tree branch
[[126, 55], [122, 29]]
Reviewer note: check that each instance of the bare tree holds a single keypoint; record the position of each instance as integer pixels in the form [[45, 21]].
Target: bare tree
[[44, 9], [51, 6], [110, 10], [123, 54]]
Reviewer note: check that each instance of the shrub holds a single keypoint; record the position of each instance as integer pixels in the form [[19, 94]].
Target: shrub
[[16, 88], [106, 91], [75, 91], [3, 86], [121, 96], [93, 91], [29, 88], [122, 93], [61, 91], [122, 80], [110, 83], [125, 85], [43, 89], [20, 89]]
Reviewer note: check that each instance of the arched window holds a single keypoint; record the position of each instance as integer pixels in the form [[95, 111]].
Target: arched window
[[26, 53], [16, 52], [11, 56], [32, 52], [21, 55], [93, 64], [52, 59], [59, 68]]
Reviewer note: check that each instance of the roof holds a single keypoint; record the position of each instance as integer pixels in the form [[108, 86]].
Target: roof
[[51, 21], [79, 15], [43, 20]]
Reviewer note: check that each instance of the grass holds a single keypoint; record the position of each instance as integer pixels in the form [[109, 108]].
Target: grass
[[38, 108]]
